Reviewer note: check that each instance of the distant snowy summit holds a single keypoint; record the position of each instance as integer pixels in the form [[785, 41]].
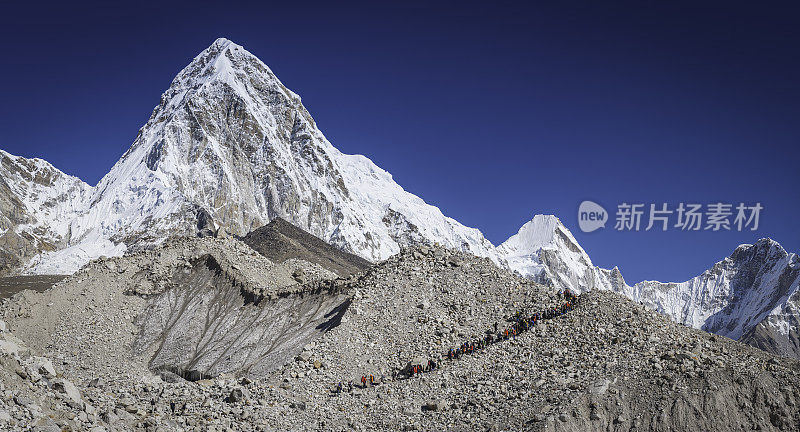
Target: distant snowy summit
[[752, 295], [230, 148]]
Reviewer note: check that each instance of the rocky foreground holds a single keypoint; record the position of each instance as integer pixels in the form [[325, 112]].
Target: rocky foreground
[[77, 357]]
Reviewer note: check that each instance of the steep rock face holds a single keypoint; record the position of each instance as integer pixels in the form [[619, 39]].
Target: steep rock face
[[36, 201]]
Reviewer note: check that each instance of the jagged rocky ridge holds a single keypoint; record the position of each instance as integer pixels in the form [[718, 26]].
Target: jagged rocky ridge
[[229, 148], [37, 201]]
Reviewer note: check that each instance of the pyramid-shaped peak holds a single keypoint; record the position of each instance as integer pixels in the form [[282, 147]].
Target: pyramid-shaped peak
[[535, 233], [220, 52], [221, 46], [541, 231], [222, 43], [228, 64], [544, 221]]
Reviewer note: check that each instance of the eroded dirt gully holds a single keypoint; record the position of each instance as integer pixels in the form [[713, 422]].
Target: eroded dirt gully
[[195, 307], [207, 323]]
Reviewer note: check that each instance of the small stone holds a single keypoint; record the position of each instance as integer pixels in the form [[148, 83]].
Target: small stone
[[432, 406], [300, 276], [68, 389], [45, 367], [23, 401], [165, 375], [236, 395], [45, 424], [221, 233], [109, 417], [124, 415], [10, 348], [600, 387], [89, 409]]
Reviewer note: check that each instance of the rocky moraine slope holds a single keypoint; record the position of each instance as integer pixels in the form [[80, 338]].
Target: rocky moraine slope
[[207, 334]]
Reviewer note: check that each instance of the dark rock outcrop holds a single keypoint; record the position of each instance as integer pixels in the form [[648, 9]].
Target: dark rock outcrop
[[280, 240]]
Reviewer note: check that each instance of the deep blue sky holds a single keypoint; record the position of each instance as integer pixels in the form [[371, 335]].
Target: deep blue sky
[[491, 111]]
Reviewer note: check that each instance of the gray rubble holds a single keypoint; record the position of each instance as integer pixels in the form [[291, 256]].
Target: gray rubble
[[610, 364]]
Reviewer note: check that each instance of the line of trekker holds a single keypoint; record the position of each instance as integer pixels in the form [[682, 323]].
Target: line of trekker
[[521, 324]]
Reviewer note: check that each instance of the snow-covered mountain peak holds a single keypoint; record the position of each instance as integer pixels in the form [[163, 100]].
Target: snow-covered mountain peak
[[229, 146], [48, 194], [753, 293], [223, 66], [37, 203], [30, 165], [221, 43], [764, 247], [545, 250], [230, 63], [220, 61], [541, 231]]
